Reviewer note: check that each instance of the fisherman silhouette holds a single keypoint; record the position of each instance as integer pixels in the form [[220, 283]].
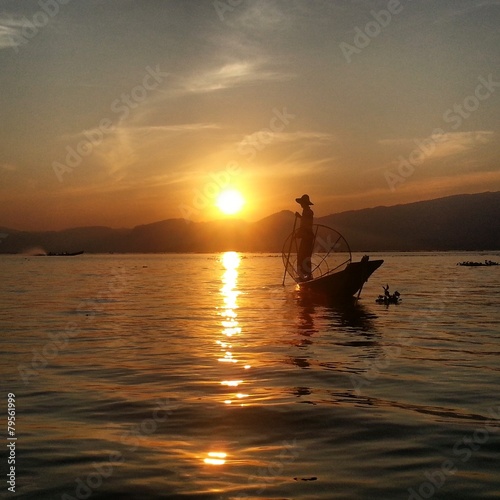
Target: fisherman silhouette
[[306, 235]]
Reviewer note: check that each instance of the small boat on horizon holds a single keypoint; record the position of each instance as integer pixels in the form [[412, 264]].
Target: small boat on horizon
[[62, 254], [486, 263]]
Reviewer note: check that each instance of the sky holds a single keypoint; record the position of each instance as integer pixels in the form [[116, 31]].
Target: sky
[[126, 112]]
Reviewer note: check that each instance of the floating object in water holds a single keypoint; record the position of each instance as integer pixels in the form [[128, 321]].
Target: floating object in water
[[389, 298], [486, 263]]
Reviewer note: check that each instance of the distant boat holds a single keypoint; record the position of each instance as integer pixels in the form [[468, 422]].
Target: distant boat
[[63, 254], [478, 264], [334, 275]]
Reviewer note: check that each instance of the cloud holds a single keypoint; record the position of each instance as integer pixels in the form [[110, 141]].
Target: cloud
[[230, 75], [147, 129], [8, 167], [454, 143], [10, 31], [475, 6], [261, 15], [131, 148], [175, 129], [303, 136], [444, 185], [448, 144], [266, 136]]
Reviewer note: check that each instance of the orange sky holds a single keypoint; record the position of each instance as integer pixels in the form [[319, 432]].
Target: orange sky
[[126, 116]]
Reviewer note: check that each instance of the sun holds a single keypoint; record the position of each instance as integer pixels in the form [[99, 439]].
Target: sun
[[230, 201]]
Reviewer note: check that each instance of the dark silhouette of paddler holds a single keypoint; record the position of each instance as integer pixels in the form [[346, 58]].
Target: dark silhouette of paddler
[[306, 235]]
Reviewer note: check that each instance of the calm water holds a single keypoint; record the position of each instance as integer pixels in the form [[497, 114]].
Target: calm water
[[200, 376]]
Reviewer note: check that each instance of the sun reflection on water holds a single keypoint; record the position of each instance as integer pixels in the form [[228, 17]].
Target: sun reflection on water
[[215, 458], [230, 325]]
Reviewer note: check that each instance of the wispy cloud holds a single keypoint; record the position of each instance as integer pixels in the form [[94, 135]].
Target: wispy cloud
[[300, 138], [447, 184], [230, 75], [177, 129], [454, 143], [261, 15], [448, 144], [8, 167], [474, 6], [10, 30], [141, 130], [145, 144], [303, 136]]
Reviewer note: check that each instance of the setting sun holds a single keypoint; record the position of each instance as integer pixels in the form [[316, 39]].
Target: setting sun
[[230, 201]]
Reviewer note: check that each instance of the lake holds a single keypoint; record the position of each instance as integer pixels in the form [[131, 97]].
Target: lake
[[202, 377]]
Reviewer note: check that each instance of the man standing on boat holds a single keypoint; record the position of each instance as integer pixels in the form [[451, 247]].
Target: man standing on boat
[[306, 235]]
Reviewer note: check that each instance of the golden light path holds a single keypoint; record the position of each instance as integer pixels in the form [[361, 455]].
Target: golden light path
[[230, 328], [231, 262], [230, 331]]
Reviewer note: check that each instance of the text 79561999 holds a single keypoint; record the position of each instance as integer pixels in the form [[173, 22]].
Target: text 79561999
[[11, 442]]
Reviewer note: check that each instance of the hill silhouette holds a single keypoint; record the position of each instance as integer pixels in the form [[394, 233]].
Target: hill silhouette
[[461, 222]]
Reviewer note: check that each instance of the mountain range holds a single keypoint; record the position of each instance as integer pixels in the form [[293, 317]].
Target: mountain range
[[460, 222]]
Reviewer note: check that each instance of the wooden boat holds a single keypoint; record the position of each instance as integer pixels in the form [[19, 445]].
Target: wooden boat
[[334, 275], [343, 284]]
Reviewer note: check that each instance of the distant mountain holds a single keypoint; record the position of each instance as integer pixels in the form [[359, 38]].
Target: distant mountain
[[462, 222]]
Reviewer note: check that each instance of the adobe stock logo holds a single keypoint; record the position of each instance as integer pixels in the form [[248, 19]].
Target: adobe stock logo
[[372, 29], [462, 451], [455, 117], [30, 28], [121, 106]]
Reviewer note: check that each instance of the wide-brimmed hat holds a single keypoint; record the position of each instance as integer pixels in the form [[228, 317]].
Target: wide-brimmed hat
[[304, 200]]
